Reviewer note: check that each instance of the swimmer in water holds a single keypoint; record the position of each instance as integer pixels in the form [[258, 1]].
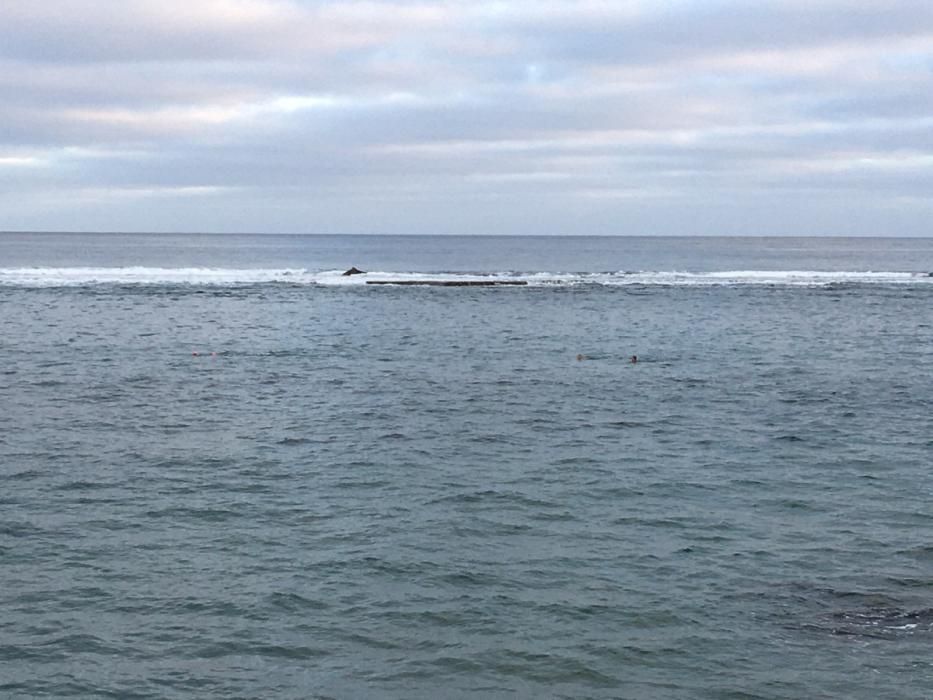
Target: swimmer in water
[[634, 359]]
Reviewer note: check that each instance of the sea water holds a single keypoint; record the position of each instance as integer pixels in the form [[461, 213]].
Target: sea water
[[228, 471]]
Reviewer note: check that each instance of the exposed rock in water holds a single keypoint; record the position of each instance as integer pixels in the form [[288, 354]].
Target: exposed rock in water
[[451, 283], [353, 271]]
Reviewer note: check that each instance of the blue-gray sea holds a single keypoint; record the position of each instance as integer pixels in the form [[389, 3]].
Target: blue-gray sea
[[226, 471]]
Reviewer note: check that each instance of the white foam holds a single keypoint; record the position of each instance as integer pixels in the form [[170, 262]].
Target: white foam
[[809, 278], [38, 277], [89, 276]]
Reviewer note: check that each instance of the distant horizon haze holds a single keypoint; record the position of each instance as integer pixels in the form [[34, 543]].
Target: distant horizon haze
[[115, 232]]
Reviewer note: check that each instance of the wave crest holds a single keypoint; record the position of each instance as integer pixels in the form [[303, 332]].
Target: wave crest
[[45, 277]]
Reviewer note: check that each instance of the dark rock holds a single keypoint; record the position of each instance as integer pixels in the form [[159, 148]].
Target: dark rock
[[353, 271], [451, 283]]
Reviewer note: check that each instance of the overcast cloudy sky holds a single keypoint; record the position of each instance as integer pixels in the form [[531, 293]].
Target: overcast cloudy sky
[[538, 116]]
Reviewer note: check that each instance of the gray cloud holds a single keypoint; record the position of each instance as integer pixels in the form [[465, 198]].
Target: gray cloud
[[495, 117]]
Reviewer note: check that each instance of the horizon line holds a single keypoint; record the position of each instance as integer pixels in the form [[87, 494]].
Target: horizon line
[[458, 235]]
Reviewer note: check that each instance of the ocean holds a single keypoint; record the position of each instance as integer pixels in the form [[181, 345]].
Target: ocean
[[227, 471]]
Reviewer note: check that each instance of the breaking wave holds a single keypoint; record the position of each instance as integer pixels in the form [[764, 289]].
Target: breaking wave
[[44, 277]]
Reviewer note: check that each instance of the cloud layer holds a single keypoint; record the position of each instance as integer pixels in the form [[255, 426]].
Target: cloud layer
[[545, 116]]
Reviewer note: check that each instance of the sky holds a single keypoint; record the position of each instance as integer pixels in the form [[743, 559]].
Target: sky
[[630, 117]]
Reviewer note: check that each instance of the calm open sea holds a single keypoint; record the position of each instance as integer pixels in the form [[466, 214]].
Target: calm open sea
[[228, 472]]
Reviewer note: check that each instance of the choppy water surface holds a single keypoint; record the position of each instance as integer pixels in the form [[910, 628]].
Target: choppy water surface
[[408, 492]]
